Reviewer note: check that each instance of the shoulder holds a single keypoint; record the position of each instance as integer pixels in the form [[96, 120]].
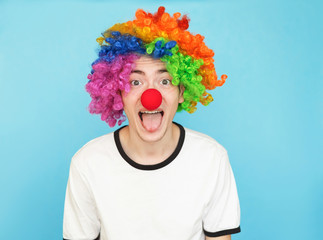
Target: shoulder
[[94, 150], [204, 142], [205, 152]]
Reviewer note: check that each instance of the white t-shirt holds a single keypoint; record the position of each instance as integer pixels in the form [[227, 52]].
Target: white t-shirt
[[189, 195]]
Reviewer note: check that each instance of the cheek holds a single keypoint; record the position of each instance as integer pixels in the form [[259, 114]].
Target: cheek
[[171, 96], [130, 99]]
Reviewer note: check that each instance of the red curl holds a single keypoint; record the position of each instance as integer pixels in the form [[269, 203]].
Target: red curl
[[183, 23]]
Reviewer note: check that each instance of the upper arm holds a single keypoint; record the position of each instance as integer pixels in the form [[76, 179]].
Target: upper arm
[[222, 214], [226, 237], [80, 216]]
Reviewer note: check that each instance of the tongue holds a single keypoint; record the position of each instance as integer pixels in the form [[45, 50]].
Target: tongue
[[151, 122]]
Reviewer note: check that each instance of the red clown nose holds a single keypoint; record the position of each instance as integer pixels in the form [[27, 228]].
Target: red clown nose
[[151, 99]]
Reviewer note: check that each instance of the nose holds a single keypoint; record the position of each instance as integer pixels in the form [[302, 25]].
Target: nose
[[151, 99]]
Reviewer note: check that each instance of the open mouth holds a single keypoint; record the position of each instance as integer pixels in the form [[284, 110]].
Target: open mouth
[[151, 120], [150, 112]]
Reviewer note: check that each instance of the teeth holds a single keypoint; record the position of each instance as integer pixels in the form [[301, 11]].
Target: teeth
[[150, 112]]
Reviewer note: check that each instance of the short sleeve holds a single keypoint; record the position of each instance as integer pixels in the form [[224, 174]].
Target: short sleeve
[[222, 214], [80, 216]]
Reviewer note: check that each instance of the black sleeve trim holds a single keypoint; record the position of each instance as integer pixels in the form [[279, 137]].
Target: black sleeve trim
[[222, 233], [98, 238]]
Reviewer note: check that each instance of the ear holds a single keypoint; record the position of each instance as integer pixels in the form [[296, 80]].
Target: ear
[[181, 91]]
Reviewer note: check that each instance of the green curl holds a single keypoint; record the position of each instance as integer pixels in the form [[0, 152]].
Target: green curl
[[184, 71]]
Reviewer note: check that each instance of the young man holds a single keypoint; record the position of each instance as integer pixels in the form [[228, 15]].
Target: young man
[[153, 179]]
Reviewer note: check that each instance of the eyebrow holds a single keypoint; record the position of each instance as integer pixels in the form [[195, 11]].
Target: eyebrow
[[143, 73]]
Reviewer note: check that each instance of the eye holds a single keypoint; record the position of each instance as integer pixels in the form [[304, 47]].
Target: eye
[[135, 82], [165, 82]]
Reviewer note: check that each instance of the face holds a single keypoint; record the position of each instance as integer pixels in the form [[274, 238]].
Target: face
[[151, 126]]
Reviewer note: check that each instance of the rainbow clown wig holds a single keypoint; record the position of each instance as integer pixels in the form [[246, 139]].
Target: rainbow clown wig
[[188, 60]]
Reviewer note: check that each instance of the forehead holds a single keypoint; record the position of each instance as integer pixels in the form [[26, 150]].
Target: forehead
[[146, 63]]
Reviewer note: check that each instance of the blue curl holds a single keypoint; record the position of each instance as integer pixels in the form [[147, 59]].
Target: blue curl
[[119, 44], [161, 49], [122, 44]]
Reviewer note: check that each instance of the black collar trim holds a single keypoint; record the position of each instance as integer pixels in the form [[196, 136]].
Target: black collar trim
[[154, 166]]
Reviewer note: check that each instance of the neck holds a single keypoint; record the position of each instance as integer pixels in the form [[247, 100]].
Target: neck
[[149, 153]]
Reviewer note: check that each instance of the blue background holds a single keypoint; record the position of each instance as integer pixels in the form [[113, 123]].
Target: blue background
[[268, 114]]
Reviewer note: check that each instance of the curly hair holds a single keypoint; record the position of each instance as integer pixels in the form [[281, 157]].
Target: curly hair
[[188, 60]]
